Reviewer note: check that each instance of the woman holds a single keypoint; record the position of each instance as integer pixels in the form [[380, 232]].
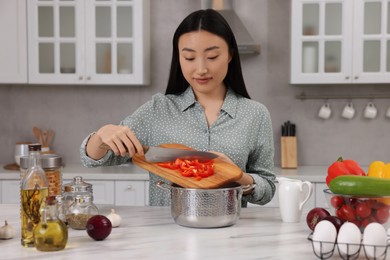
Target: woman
[[206, 106]]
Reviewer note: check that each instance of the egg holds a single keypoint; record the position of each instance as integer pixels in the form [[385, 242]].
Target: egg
[[374, 240], [324, 237], [348, 239]]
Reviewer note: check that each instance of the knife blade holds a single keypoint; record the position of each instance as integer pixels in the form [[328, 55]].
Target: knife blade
[[160, 154]]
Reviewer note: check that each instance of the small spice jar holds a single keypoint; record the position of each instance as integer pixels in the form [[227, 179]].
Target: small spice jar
[[52, 165], [77, 187], [80, 211]]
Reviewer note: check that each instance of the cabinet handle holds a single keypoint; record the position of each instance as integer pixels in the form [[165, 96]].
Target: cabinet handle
[[129, 187], [347, 77], [80, 77], [356, 77], [89, 78]]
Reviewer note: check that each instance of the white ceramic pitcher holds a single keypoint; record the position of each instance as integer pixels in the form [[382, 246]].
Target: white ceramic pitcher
[[292, 197]]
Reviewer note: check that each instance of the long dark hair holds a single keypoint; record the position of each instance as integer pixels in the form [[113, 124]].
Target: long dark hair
[[211, 21]]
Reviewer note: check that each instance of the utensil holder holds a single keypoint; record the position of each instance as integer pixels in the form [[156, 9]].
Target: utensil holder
[[288, 152]]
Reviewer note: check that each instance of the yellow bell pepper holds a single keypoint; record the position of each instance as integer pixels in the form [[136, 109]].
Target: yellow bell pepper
[[380, 169]]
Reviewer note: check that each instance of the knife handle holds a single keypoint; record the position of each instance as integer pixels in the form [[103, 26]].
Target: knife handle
[[105, 146]]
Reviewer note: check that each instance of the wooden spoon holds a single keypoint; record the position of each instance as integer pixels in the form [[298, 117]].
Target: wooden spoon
[[50, 137], [37, 134], [44, 138]]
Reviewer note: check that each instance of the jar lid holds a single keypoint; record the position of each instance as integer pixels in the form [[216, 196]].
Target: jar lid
[[47, 161], [34, 147], [78, 184]]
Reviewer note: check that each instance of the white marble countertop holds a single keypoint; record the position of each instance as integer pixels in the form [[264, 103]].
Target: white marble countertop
[[133, 172], [151, 233]]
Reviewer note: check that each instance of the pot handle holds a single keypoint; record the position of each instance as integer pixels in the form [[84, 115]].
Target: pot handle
[[164, 186], [248, 187]]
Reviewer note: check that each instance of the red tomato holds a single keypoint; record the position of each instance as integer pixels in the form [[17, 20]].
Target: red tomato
[[348, 213], [368, 220], [336, 201], [363, 210], [382, 215], [340, 214], [353, 202]]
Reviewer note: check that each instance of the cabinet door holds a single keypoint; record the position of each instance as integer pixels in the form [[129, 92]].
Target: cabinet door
[[117, 40], [10, 191], [130, 193], [103, 192], [321, 39], [13, 45], [56, 41], [372, 41]]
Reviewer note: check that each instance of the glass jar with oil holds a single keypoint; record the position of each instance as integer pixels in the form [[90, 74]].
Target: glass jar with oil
[[34, 190], [51, 234]]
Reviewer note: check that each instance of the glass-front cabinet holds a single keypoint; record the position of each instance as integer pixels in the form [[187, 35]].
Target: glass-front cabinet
[[340, 41], [89, 41]]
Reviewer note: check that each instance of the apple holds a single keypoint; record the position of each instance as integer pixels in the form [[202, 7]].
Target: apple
[[316, 215], [99, 227]]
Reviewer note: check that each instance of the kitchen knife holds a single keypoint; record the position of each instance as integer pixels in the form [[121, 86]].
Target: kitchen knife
[[160, 154]]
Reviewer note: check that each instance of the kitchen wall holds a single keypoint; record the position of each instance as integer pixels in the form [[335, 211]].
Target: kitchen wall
[[74, 111]]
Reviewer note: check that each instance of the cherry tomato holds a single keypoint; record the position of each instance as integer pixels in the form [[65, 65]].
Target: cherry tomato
[[368, 220], [363, 210], [382, 215], [336, 201], [353, 202], [348, 212], [340, 214]]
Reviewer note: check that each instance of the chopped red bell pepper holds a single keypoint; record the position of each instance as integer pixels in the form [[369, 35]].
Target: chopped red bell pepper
[[191, 168]]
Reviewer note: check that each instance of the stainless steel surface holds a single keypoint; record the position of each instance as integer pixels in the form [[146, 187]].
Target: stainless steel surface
[[159, 154], [245, 42], [199, 208], [47, 160]]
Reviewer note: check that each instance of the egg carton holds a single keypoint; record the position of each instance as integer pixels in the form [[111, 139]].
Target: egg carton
[[370, 251]]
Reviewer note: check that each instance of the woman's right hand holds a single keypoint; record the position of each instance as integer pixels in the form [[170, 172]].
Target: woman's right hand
[[120, 139]]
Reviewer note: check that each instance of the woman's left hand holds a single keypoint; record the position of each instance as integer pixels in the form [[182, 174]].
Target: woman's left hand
[[246, 178]]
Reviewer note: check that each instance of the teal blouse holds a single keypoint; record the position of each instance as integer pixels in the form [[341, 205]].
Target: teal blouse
[[243, 132]]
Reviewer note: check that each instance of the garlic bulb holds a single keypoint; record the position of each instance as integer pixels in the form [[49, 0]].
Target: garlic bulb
[[7, 231], [115, 219]]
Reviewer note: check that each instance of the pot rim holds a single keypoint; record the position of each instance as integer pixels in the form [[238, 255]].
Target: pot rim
[[235, 186]]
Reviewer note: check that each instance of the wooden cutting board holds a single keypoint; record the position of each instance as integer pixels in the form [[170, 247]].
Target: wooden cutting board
[[224, 173]]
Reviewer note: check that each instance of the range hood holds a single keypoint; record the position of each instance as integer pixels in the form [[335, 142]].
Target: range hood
[[245, 42]]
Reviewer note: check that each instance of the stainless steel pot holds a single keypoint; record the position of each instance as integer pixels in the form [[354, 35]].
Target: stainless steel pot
[[204, 208]]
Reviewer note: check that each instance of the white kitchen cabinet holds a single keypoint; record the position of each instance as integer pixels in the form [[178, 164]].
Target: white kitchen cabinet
[[103, 192], [340, 41], [89, 41], [10, 191], [130, 193], [13, 44], [119, 193]]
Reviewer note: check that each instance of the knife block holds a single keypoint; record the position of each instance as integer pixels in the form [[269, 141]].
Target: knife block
[[288, 152]]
